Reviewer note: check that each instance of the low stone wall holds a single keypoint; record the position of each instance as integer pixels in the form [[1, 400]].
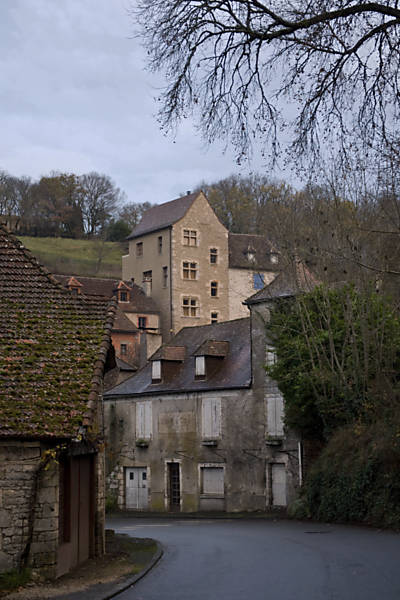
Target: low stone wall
[[19, 466]]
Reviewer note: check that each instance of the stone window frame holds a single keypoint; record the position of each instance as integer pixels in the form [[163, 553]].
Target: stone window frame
[[190, 237], [214, 255], [214, 316], [139, 249], [190, 270], [214, 289], [123, 348], [160, 244], [190, 307]]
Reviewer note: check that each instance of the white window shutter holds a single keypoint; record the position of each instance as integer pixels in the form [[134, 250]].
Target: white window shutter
[[143, 420], [275, 414], [211, 418]]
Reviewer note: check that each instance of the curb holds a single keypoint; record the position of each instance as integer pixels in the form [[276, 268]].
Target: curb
[[106, 591]]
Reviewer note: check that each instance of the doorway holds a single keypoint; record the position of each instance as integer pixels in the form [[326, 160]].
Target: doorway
[[174, 487], [136, 488]]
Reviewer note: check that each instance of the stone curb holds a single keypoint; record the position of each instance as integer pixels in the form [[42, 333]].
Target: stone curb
[[106, 591]]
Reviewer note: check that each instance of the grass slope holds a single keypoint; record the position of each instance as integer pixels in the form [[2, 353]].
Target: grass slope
[[77, 257]]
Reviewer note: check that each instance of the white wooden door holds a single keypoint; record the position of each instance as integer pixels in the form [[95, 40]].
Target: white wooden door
[[136, 488], [278, 476]]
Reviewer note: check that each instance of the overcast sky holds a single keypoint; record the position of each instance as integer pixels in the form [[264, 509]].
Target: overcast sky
[[75, 97]]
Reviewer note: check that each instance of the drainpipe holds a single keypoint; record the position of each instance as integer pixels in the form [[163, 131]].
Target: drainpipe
[[300, 452]]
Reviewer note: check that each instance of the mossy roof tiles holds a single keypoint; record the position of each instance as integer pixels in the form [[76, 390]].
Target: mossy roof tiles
[[53, 347]]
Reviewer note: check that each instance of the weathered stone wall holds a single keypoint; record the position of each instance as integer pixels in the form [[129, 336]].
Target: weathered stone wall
[[19, 466], [241, 287]]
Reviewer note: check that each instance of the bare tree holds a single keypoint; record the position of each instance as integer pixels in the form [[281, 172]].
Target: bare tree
[[100, 201], [234, 64]]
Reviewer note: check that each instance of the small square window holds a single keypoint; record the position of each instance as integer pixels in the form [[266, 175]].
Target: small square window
[[214, 317], [139, 249], [142, 322], [213, 256], [258, 281]]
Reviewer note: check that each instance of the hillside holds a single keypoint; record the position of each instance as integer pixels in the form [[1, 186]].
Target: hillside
[[78, 257]]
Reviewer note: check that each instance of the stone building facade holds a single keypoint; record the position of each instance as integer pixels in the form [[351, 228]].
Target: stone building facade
[[200, 428], [195, 270]]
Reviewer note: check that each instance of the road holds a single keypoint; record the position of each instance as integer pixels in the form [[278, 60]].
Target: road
[[254, 559]]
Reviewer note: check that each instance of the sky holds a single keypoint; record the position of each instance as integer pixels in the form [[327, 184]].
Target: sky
[[75, 97]]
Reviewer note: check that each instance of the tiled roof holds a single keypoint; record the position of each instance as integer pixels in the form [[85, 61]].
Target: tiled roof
[[163, 215], [258, 245], [53, 349], [234, 372], [212, 348], [97, 286], [286, 284], [122, 323], [169, 352]]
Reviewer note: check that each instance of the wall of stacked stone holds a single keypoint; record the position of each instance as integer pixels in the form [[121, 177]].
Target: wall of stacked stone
[[19, 462], [99, 548], [115, 486]]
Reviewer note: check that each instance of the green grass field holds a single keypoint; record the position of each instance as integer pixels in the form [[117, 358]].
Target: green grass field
[[77, 257]]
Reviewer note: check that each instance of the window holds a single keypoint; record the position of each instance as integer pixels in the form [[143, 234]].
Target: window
[[214, 289], [190, 307], [123, 296], [214, 317], [270, 356], [144, 427], [274, 257], [213, 256], [189, 237], [189, 270], [275, 413], [212, 481], [165, 276], [147, 282], [200, 367], [142, 322], [211, 418], [160, 244], [156, 371], [139, 249], [123, 349], [258, 281]]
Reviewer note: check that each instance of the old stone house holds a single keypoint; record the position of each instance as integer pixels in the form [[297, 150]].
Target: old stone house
[[195, 270], [55, 349], [136, 331], [201, 426]]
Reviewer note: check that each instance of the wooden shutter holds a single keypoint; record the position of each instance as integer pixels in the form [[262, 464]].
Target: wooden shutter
[[211, 418], [144, 427]]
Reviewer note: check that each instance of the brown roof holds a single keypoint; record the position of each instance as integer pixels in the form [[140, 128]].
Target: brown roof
[[262, 249], [174, 353], [122, 323], [53, 349], [234, 372], [163, 215], [97, 286]]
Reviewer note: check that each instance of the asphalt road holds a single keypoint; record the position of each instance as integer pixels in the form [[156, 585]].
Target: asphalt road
[[265, 560]]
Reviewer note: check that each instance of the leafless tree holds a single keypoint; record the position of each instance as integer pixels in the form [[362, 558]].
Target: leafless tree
[[100, 200], [243, 68]]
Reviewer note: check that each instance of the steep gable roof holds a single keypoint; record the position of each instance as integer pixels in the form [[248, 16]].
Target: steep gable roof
[[163, 215], [286, 284], [53, 349], [263, 249], [235, 370]]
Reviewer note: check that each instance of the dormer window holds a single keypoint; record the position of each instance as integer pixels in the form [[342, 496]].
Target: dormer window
[[274, 257], [74, 286], [250, 254], [123, 296], [156, 371], [200, 367]]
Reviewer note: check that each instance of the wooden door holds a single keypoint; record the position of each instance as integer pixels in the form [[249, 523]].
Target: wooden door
[[136, 488]]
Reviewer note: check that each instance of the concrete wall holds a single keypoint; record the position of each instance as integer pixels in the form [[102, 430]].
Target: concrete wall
[[241, 287]]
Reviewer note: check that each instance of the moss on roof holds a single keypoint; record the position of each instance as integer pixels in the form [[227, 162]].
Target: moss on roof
[[52, 351]]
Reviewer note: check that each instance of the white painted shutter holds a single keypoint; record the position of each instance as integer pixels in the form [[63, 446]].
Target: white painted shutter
[[275, 413], [143, 420], [211, 418], [213, 480]]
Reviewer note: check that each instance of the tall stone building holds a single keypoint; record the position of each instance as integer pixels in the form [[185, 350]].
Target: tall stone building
[[195, 270]]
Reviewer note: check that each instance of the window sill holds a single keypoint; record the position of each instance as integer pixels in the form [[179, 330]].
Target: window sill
[[274, 440], [142, 443], [212, 443]]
